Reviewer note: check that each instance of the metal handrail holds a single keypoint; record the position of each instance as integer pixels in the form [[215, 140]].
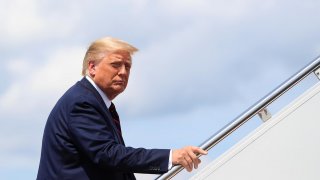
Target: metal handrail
[[249, 113]]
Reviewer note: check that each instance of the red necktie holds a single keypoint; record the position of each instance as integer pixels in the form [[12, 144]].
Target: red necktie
[[116, 118]]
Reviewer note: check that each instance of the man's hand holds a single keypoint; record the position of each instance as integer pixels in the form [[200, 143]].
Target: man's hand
[[187, 157]]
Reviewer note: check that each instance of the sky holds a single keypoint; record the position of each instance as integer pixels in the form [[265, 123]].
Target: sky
[[200, 64]]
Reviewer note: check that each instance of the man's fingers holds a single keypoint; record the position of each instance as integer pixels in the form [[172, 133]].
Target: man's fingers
[[194, 158], [199, 151], [188, 157], [186, 165], [189, 162], [194, 154], [196, 164]]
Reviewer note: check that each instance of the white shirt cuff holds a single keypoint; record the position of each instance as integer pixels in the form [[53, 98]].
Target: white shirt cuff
[[170, 160]]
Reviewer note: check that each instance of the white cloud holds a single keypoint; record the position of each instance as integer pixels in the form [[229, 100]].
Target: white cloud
[[62, 69], [202, 10], [43, 84], [18, 66], [24, 21], [10, 97], [13, 151]]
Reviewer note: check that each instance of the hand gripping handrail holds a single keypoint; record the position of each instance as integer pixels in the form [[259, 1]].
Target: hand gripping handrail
[[249, 113]]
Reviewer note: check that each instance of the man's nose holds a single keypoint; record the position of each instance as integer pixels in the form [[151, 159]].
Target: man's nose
[[123, 70]]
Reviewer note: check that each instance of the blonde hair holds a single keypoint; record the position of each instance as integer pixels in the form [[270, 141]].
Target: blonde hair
[[99, 49]]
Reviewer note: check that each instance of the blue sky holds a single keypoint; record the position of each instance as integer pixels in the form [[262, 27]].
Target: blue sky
[[201, 63]]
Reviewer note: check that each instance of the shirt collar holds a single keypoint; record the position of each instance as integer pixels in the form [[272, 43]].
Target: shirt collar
[[102, 94]]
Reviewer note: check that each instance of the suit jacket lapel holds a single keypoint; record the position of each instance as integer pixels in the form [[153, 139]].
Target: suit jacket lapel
[[86, 84]]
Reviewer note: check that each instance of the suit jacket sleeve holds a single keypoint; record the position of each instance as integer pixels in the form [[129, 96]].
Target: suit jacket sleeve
[[95, 138]]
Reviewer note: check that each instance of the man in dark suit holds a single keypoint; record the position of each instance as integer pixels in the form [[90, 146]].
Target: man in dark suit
[[82, 137]]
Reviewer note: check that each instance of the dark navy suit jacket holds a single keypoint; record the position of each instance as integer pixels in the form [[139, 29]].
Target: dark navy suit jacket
[[80, 142]]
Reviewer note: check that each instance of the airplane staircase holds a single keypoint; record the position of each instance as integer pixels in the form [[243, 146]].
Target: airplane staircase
[[285, 146]]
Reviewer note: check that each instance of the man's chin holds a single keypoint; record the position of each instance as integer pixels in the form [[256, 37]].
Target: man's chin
[[119, 88]]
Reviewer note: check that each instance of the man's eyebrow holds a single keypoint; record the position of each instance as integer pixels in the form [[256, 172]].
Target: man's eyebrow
[[116, 59]]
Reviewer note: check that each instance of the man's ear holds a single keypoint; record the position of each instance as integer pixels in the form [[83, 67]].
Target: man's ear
[[92, 68]]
